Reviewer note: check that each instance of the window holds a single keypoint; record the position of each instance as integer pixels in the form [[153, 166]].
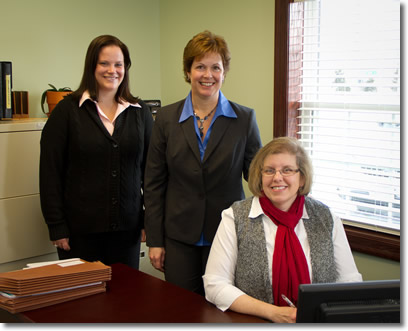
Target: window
[[342, 100]]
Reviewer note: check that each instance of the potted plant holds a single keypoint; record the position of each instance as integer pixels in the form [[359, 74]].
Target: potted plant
[[53, 96]]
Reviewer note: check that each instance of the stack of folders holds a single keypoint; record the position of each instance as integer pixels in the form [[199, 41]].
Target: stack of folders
[[49, 283]]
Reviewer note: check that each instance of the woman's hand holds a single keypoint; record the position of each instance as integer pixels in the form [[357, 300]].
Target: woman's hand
[[284, 315], [62, 244], [248, 305], [156, 256]]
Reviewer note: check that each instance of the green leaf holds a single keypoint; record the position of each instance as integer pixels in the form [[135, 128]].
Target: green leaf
[[43, 100]]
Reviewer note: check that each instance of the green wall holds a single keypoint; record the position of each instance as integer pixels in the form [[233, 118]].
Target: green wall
[[247, 26], [374, 268], [47, 40]]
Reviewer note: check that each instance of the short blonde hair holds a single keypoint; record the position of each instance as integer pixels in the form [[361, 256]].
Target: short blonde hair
[[276, 146]]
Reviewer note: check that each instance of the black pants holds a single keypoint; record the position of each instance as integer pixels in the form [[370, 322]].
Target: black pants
[[108, 247], [184, 265]]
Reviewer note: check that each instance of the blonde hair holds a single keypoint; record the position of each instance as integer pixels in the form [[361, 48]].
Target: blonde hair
[[276, 146]]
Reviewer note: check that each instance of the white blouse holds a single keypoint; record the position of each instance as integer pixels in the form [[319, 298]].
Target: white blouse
[[220, 271]]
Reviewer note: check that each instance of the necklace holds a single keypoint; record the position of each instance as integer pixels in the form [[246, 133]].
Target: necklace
[[201, 126]]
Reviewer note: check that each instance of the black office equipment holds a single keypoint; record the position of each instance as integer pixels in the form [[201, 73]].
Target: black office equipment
[[6, 110], [359, 302], [1, 92], [154, 106]]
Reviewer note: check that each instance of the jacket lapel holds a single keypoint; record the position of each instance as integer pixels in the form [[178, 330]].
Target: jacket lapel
[[189, 134], [220, 126]]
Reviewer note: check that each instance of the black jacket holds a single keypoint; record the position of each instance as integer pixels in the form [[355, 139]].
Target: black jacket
[[185, 196], [91, 181]]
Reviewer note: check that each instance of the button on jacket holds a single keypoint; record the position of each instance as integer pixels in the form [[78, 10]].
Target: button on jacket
[[91, 181], [185, 195]]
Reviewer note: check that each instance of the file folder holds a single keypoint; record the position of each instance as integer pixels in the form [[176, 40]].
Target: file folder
[[32, 288]]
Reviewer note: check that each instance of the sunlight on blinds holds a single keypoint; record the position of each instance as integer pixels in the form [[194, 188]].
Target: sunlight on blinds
[[344, 70]]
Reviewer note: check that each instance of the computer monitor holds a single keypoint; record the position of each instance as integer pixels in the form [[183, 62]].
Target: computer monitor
[[360, 302]]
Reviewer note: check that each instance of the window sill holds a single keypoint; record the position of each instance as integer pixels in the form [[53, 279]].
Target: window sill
[[361, 240], [374, 243]]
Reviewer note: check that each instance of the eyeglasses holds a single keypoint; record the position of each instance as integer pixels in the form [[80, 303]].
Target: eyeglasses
[[285, 172]]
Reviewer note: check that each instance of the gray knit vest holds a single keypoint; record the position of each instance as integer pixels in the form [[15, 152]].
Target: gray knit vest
[[252, 272]]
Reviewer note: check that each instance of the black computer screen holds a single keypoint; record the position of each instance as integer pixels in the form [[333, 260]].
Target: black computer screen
[[360, 302]]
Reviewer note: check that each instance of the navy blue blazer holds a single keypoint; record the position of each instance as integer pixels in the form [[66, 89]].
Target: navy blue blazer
[[185, 196]]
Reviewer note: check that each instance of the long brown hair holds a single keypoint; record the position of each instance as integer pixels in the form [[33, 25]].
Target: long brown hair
[[88, 82]]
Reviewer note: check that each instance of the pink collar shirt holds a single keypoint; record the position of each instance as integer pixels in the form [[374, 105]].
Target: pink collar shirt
[[109, 125]]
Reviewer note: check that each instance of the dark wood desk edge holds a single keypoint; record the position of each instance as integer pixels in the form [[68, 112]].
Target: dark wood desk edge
[[248, 319], [22, 318]]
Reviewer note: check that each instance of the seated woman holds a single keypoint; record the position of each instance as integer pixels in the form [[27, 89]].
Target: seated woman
[[267, 245]]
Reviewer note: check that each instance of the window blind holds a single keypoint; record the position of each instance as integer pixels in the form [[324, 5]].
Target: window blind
[[344, 74]]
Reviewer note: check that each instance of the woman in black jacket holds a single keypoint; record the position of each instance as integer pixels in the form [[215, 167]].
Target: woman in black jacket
[[93, 152], [201, 148]]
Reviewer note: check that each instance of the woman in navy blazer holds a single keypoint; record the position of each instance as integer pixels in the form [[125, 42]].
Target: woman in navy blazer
[[200, 149]]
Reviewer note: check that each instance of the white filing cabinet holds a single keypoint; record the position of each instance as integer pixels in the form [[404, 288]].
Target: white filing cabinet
[[23, 233]]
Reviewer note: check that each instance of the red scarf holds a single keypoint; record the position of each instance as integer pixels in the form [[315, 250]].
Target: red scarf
[[289, 268]]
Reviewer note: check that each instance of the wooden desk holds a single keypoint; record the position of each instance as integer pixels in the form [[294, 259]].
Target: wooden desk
[[135, 297]]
